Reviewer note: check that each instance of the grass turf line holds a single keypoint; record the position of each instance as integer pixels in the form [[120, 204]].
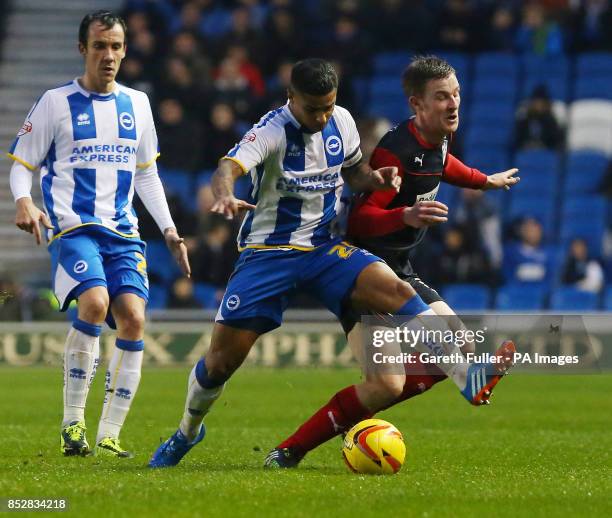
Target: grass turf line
[[542, 448]]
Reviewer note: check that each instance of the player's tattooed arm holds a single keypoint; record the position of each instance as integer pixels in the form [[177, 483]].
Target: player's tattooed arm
[[362, 178], [223, 189]]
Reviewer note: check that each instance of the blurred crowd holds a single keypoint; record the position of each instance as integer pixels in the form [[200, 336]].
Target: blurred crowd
[[212, 68]]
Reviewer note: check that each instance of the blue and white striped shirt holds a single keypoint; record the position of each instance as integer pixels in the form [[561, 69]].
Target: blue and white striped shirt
[[296, 178], [89, 148]]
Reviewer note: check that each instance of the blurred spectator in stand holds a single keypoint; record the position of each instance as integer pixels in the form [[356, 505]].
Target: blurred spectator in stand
[[180, 138], [136, 22], [346, 95], [181, 295], [231, 86], [257, 12], [186, 47], [243, 33], [590, 23], [351, 47], [144, 46], [581, 270], [132, 74], [538, 33], [214, 254], [459, 262], [480, 220], [606, 183], [221, 134], [399, 25], [182, 215], [285, 39], [536, 124], [11, 309], [527, 260], [179, 83], [248, 69], [276, 94], [501, 29], [456, 22], [206, 200], [189, 19]]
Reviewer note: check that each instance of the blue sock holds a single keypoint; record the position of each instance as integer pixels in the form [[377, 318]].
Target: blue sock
[[204, 379], [87, 328], [413, 307], [129, 345]]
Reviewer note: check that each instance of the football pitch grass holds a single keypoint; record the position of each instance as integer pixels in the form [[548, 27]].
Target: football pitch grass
[[543, 448]]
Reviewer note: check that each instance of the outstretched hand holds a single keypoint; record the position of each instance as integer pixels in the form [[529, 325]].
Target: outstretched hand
[[29, 217], [503, 180], [176, 245], [425, 214], [386, 178], [230, 206]]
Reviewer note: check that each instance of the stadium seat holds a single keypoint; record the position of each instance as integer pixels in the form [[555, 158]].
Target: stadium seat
[[216, 23], [537, 206], [494, 88], [592, 231], [179, 183], [495, 111], [590, 126], [204, 177], [594, 64], [590, 111], [467, 297], [595, 137], [521, 297], [585, 217], [394, 109], [587, 87], [607, 305], [386, 86], [536, 161], [488, 136], [588, 207], [205, 294], [559, 109], [461, 63], [497, 64], [584, 172], [161, 266], [568, 298], [361, 92], [539, 172], [487, 160], [158, 297], [449, 195], [550, 71], [558, 88], [391, 63]]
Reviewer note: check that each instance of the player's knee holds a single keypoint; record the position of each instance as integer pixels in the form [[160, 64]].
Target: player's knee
[[94, 307], [220, 370], [388, 387], [131, 320]]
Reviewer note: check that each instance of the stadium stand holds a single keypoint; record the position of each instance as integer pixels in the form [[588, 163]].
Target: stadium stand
[[560, 188]]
